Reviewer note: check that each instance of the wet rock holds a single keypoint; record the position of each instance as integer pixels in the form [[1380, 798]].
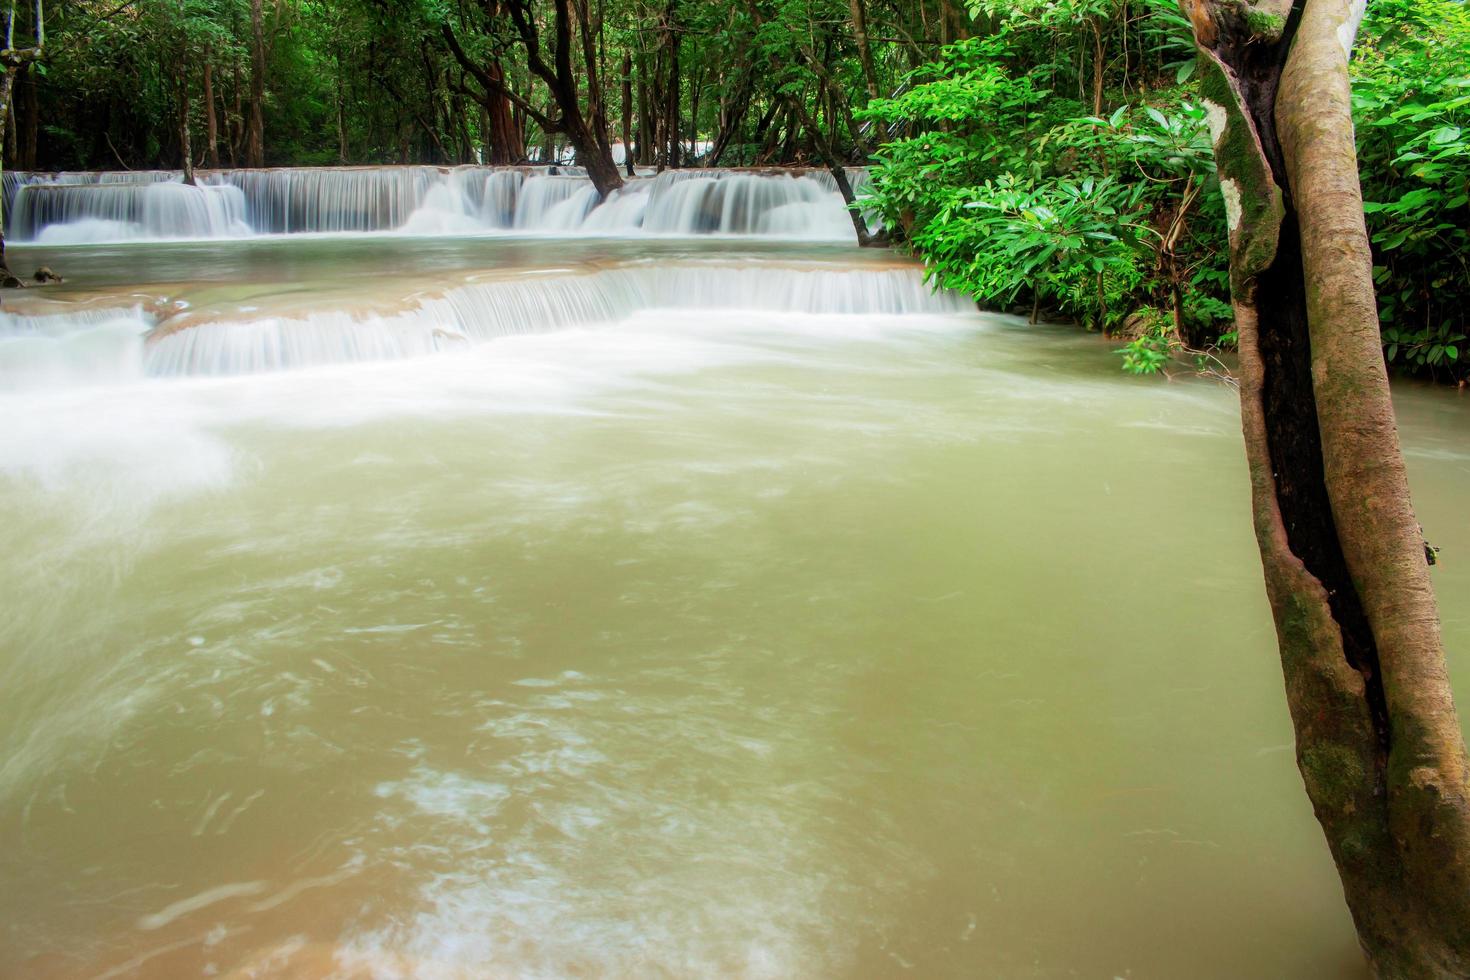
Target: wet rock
[[44, 275]]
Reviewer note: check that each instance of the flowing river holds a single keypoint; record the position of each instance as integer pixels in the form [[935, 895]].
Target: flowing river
[[542, 602]]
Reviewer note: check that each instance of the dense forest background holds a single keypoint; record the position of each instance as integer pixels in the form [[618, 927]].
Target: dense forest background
[[1049, 156]]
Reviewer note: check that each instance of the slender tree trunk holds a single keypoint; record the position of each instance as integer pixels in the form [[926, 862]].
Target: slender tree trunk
[[12, 126], [236, 121], [341, 92], [1378, 740], [14, 60], [255, 124], [865, 52], [211, 124], [186, 148], [29, 143], [671, 111], [7, 90], [695, 87], [646, 128], [1098, 64], [628, 112]]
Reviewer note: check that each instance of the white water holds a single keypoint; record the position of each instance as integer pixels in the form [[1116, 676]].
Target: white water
[[174, 339], [98, 208]]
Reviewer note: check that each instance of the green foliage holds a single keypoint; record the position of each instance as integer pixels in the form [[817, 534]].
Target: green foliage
[[1411, 103], [1150, 351], [1016, 193], [1072, 243]]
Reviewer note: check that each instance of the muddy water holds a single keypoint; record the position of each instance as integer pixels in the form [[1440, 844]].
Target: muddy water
[[698, 642]]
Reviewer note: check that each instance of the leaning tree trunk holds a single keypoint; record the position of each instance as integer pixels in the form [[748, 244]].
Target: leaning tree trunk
[[1378, 741]]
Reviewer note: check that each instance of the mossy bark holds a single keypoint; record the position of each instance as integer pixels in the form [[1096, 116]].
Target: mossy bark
[[1378, 741]]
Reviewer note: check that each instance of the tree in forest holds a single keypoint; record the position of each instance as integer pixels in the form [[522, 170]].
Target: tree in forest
[[13, 60], [1347, 573], [586, 129]]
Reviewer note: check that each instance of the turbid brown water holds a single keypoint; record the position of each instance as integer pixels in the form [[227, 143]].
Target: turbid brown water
[[694, 643]]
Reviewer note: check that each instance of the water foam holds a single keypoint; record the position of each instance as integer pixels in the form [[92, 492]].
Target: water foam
[[480, 311]]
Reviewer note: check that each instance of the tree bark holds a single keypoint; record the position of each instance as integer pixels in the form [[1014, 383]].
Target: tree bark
[[211, 123], [565, 115], [341, 93], [1378, 742], [186, 148], [255, 122], [30, 138], [671, 112], [13, 60], [865, 51], [645, 115], [627, 108]]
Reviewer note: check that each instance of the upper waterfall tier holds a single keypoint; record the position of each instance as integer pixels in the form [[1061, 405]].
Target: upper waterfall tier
[[87, 208]]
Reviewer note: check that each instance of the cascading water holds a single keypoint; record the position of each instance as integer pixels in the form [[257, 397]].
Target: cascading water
[[153, 205], [76, 214], [119, 344]]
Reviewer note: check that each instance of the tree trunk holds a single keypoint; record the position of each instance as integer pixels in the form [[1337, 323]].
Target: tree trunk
[[31, 138], [628, 112], [7, 90], [646, 138], [186, 149], [255, 124], [1378, 741], [671, 111], [865, 52], [564, 115], [341, 92], [211, 124]]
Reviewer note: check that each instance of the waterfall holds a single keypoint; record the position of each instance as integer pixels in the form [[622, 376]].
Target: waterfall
[[119, 344], [480, 311], [84, 213], [59, 209], [82, 347]]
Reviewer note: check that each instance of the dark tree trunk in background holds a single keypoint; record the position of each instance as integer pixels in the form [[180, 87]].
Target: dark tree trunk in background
[[1378, 741], [865, 51], [696, 86], [15, 60], [628, 112], [186, 148], [30, 139], [211, 124], [507, 145], [255, 123], [588, 136], [671, 106], [235, 125], [646, 137], [12, 126], [341, 93]]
